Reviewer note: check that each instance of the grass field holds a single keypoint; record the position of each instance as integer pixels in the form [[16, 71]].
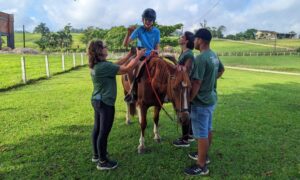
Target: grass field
[[10, 65], [46, 127], [277, 63], [218, 45], [292, 43], [30, 38]]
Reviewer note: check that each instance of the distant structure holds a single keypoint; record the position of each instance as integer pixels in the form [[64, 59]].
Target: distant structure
[[7, 29], [263, 34]]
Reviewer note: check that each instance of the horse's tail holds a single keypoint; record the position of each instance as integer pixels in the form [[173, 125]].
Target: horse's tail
[[132, 109]]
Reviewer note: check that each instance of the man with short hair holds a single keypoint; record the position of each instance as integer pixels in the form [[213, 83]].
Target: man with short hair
[[207, 68]]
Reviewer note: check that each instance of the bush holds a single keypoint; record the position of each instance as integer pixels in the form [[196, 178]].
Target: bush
[[298, 49]]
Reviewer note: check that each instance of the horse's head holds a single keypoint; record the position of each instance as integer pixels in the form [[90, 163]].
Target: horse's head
[[178, 92]]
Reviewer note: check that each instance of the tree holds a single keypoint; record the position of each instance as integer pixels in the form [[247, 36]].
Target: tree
[[168, 30], [115, 36], [220, 31], [65, 39], [250, 33], [92, 33], [170, 41], [41, 28]]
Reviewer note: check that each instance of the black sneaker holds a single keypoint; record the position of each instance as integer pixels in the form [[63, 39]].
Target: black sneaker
[[190, 138], [194, 156], [196, 170], [107, 165], [181, 143], [95, 159]]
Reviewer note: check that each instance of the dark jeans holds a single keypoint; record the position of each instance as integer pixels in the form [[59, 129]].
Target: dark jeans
[[104, 118]]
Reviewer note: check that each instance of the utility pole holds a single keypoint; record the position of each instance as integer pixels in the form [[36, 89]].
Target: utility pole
[[275, 42], [23, 36]]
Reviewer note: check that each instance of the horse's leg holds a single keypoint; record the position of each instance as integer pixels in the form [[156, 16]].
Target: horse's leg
[[156, 119], [142, 112], [128, 116]]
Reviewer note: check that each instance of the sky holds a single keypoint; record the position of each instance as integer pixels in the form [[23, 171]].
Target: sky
[[236, 15]]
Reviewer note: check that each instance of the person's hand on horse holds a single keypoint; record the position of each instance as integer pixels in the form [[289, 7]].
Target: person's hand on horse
[[180, 67], [154, 52]]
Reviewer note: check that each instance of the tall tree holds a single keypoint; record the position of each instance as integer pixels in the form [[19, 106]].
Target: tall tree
[[41, 28], [168, 30]]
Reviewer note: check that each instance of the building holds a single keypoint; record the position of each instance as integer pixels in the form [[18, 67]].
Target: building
[[7, 29], [263, 34]]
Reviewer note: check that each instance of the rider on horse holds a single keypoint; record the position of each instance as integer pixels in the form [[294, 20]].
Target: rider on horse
[[148, 37]]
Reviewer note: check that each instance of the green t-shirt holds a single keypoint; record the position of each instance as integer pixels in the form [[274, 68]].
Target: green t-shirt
[[206, 68], [185, 56], [104, 81]]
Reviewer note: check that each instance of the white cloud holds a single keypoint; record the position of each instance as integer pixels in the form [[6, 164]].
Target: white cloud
[[236, 15]]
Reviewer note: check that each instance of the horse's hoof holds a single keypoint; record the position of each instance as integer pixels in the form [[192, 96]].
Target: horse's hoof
[[158, 140], [141, 150], [128, 122]]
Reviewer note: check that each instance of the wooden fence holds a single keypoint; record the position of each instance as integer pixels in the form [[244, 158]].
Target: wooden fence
[[47, 64]]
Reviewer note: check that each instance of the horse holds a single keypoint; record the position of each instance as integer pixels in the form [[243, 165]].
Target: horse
[[158, 80]]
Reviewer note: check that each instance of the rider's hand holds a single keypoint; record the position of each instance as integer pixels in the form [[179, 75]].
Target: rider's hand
[[131, 29]]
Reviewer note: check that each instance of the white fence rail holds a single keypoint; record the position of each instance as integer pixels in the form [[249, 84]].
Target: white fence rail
[[48, 64]]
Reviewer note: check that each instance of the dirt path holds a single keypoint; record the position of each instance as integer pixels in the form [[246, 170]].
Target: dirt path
[[258, 44], [262, 70]]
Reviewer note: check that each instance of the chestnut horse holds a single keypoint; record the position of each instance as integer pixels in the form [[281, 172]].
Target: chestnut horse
[[165, 80]]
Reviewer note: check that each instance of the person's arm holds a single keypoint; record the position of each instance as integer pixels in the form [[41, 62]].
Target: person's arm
[[124, 59], [196, 84], [129, 67], [221, 69], [188, 65], [127, 39]]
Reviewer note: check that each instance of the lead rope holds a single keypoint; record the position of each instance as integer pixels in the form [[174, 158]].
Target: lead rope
[[156, 95]]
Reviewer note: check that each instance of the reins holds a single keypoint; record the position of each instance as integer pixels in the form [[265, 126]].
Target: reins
[[155, 93]]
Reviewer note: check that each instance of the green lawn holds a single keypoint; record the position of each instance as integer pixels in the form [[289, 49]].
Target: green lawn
[[277, 63], [292, 43], [30, 38], [220, 45], [10, 65], [46, 128]]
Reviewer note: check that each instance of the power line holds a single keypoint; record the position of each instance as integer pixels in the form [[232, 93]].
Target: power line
[[207, 12]]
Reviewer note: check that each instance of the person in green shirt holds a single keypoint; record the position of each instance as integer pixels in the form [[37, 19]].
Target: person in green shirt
[[185, 62], [103, 74], [203, 98]]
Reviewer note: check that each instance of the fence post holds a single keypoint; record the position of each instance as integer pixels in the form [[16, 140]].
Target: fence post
[[47, 66], [81, 56], [74, 60], [23, 67], [63, 61]]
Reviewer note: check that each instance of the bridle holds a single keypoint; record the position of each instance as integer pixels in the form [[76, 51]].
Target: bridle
[[183, 88]]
